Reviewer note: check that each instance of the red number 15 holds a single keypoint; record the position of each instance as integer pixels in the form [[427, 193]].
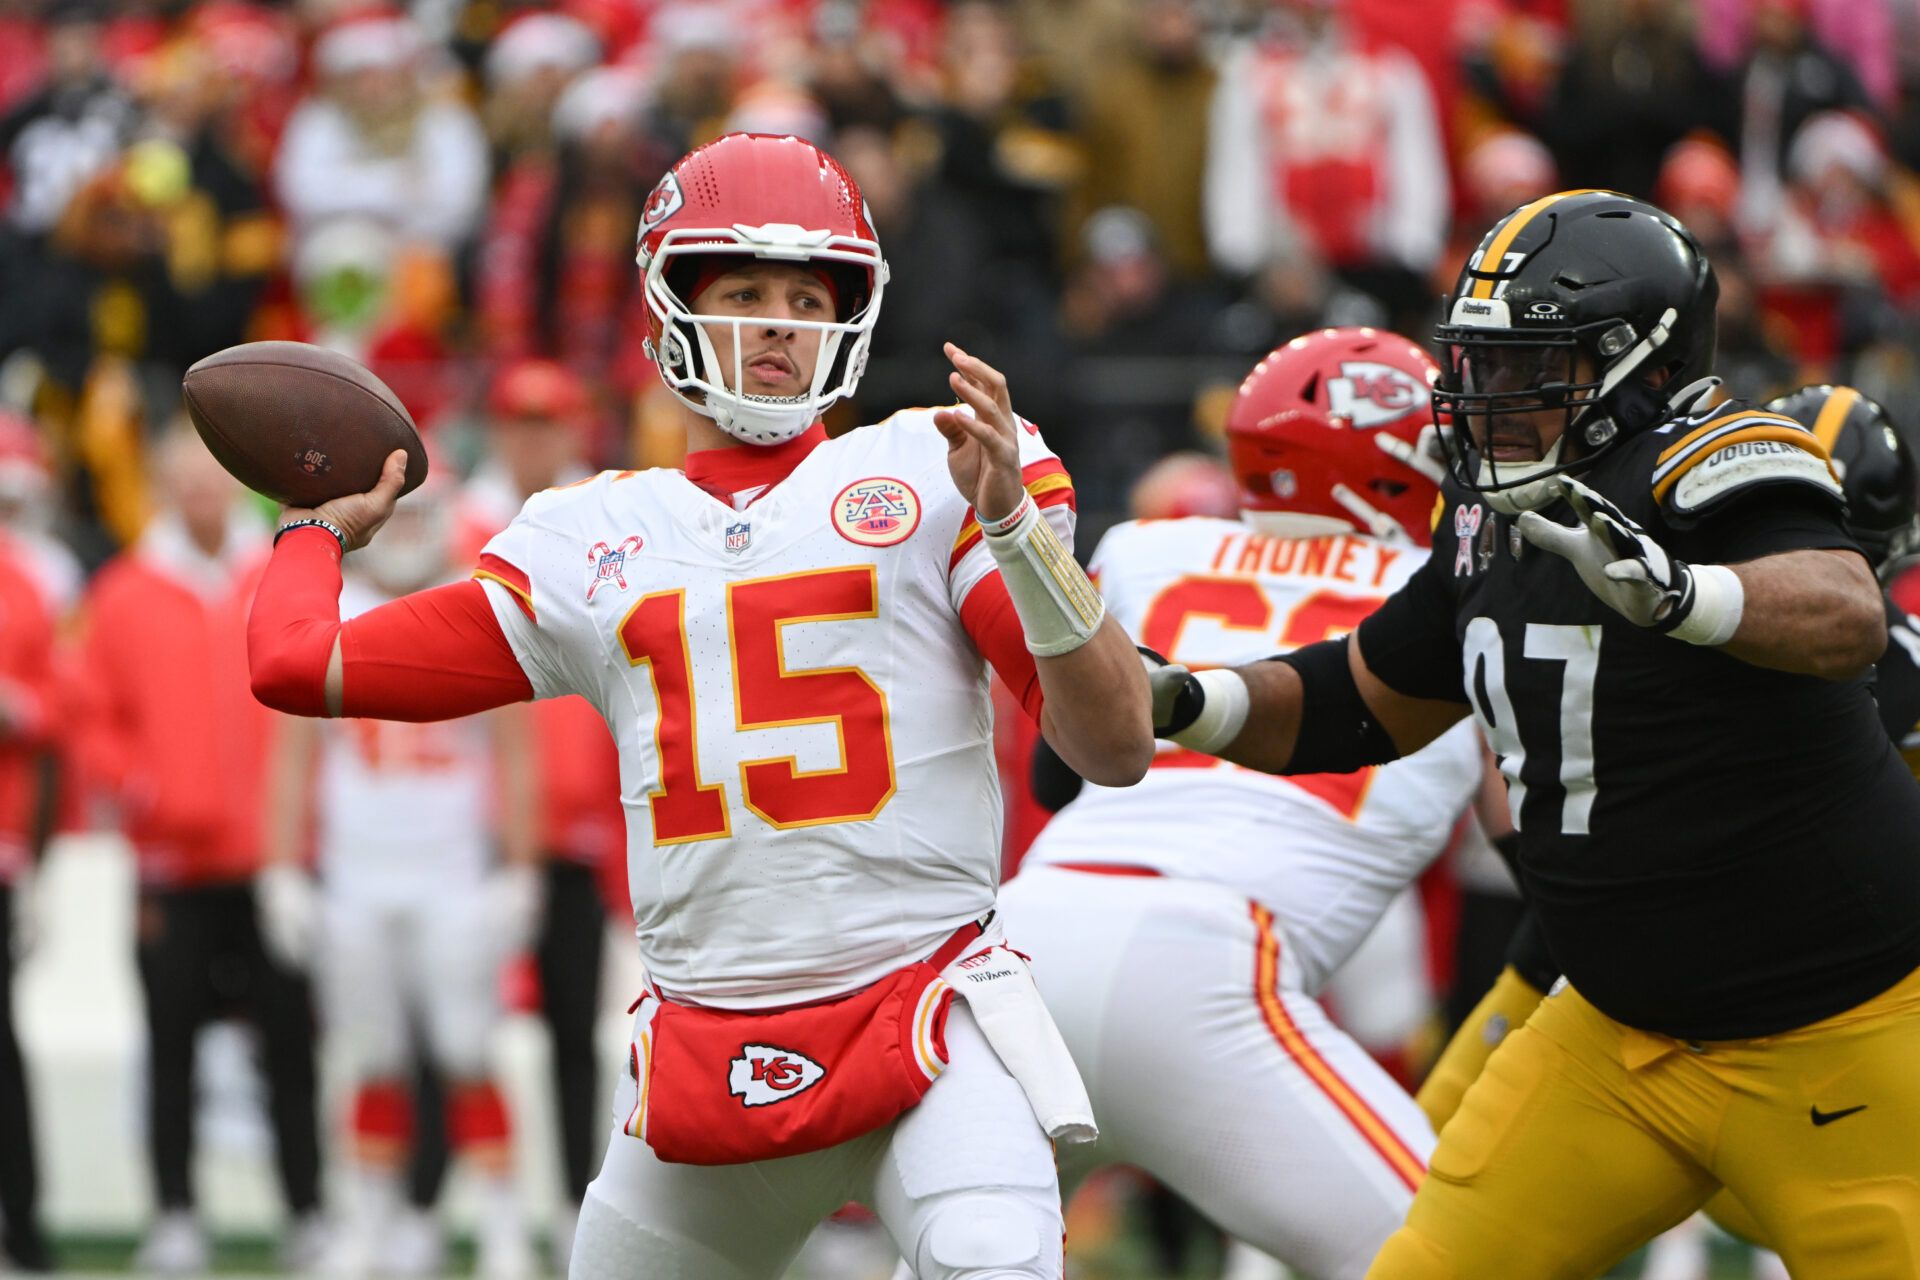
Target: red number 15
[[766, 695]]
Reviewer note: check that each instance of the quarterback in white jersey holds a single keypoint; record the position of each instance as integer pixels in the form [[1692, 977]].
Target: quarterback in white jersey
[[1181, 928], [425, 885], [789, 641]]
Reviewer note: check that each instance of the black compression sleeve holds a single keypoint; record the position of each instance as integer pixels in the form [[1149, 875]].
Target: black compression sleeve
[[1337, 733], [1409, 641]]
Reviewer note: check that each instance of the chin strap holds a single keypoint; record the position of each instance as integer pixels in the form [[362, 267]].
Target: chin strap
[[1371, 518]]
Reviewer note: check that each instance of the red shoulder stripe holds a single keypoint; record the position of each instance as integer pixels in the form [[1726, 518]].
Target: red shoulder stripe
[[515, 580]]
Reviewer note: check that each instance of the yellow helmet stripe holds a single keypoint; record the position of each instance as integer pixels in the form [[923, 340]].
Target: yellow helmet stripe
[[1496, 250], [1833, 415]]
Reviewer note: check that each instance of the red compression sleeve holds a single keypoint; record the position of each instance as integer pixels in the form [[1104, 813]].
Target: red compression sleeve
[[987, 614], [433, 655], [296, 615]]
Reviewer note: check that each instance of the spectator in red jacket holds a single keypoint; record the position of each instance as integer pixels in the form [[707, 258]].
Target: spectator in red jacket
[[173, 732], [27, 720]]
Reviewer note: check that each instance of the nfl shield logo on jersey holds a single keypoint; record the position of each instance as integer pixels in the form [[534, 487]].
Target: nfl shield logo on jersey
[[876, 512], [738, 536], [764, 1074]]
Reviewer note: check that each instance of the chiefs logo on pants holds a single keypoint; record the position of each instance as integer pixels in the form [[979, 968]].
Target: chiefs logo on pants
[[763, 1074]]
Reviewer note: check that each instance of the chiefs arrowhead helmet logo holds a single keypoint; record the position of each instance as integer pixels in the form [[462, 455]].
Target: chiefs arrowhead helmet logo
[[765, 1074], [1370, 394], [662, 204]]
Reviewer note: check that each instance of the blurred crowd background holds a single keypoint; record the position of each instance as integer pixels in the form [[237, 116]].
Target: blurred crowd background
[[1123, 204]]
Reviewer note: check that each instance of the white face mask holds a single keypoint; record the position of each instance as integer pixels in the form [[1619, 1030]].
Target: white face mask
[[1530, 495], [693, 371]]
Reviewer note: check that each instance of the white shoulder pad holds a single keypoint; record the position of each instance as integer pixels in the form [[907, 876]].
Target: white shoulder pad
[[1739, 448], [1733, 467]]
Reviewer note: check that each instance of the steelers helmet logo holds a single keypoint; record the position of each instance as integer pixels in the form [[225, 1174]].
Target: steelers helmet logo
[[876, 513]]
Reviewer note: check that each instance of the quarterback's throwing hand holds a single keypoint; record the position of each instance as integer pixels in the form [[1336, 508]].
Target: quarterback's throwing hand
[[1622, 564], [359, 516], [983, 449]]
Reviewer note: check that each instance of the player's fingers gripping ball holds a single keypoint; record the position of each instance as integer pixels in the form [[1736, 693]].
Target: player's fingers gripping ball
[[356, 518]]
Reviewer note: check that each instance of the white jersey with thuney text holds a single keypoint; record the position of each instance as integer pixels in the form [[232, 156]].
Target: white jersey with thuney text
[[1325, 852]]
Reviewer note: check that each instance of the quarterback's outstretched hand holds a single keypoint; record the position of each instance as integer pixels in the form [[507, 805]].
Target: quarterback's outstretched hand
[[1622, 564], [983, 447]]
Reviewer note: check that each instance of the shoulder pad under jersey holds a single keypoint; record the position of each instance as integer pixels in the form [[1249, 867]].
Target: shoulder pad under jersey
[[1731, 452]]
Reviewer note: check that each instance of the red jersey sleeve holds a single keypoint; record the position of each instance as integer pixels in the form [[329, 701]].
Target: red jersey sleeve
[[987, 614]]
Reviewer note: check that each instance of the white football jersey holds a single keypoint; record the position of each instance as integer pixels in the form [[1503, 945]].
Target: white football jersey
[[803, 721], [1324, 852], [402, 809]]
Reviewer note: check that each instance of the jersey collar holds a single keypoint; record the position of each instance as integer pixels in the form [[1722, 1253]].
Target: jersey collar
[[723, 473]]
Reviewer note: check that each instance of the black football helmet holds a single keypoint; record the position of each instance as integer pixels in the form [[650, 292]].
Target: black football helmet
[[1876, 466], [1577, 272]]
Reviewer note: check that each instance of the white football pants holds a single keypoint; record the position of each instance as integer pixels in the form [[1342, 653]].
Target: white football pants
[[964, 1183], [1210, 1069], [387, 966]]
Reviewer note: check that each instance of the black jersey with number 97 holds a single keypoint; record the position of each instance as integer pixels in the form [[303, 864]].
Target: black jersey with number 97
[[1716, 850]]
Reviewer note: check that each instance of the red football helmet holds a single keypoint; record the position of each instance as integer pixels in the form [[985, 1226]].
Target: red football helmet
[[779, 198], [1331, 433]]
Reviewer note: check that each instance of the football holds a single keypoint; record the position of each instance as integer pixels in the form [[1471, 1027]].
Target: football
[[299, 423]]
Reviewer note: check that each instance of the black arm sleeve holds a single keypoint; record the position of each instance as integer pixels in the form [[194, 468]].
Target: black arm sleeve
[[1409, 641], [1337, 732]]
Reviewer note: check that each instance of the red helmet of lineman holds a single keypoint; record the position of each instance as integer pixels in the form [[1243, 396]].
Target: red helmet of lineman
[[1330, 434], [778, 198]]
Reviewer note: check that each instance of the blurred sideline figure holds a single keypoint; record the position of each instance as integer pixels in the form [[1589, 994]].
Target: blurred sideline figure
[[538, 421], [413, 920], [183, 756], [30, 722]]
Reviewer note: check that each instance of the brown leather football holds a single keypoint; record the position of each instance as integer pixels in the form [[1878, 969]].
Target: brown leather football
[[299, 423]]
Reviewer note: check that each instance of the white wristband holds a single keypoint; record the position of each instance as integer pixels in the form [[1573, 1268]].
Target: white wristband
[[1223, 712], [1058, 608], [1718, 602]]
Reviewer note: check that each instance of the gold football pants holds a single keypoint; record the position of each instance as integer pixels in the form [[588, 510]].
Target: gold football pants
[[1506, 1006], [1583, 1138]]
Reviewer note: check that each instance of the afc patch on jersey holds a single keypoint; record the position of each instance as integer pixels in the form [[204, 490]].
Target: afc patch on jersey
[[877, 512], [764, 1074]]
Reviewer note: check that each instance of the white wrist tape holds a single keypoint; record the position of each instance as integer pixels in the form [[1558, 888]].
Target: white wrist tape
[[1223, 713], [1718, 602], [1059, 609]]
